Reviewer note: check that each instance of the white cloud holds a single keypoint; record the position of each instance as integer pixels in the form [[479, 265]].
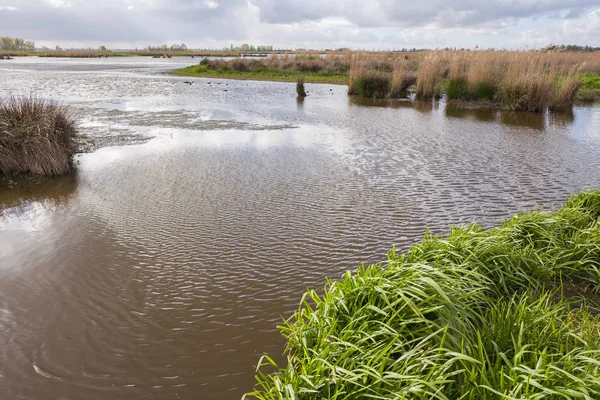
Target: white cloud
[[8, 8], [581, 30], [61, 3]]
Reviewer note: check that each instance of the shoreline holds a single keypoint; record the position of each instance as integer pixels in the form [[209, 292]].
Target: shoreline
[[584, 95], [250, 76]]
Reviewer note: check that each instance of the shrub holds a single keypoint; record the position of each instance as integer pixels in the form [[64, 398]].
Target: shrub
[[36, 136]]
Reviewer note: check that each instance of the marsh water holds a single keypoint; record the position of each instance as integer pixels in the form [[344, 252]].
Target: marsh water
[[161, 267]]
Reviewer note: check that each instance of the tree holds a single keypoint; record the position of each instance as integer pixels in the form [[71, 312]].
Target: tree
[[16, 44]]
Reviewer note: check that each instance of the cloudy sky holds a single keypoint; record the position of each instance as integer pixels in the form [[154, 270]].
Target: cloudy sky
[[358, 24]]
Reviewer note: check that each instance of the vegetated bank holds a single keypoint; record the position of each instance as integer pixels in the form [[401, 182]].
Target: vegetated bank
[[314, 68], [505, 313], [37, 136], [590, 87], [519, 80]]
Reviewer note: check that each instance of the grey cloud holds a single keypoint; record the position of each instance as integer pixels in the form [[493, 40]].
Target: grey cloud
[[364, 23], [458, 13], [113, 21]]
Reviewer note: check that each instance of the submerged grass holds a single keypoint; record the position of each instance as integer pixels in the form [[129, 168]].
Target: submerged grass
[[476, 314], [36, 136]]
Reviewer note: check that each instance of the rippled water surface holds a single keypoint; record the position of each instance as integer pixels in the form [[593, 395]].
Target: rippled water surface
[[161, 269]]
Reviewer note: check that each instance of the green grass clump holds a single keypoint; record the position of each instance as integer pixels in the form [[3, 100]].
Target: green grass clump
[[505, 313], [484, 91], [590, 80], [457, 89], [373, 84], [590, 87], [300, 87]]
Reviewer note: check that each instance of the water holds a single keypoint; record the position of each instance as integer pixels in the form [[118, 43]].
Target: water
[[160, 270]]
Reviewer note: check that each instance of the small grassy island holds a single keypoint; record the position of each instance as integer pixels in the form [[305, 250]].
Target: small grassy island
[[37, 136], [313, 68], [505, 313], [520, 81]]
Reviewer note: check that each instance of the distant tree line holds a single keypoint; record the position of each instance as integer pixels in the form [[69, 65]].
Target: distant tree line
[[16, 44], [164, 47], [571, 47]]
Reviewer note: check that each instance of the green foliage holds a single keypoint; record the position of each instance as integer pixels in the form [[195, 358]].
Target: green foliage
[[16, 44], [457, 89], [590, 81], [498, 314], [484, 91]]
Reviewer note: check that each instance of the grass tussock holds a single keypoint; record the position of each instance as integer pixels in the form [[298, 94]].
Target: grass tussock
[[506, 313], [300, 87], [36, 136], [380, 76]]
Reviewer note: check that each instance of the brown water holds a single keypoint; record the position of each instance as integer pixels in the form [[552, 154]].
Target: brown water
[[160, 270]]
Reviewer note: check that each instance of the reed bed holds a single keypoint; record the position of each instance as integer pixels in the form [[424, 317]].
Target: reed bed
[[505, 313], [519, 81], [36, 136]]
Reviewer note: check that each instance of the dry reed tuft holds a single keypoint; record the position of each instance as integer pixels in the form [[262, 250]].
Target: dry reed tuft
[[431, 70], [36, 136]]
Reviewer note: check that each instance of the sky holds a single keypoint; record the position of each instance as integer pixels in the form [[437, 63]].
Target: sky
[[315, 24]]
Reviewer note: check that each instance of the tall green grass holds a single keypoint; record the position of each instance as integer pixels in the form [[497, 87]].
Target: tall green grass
[[506, 313]]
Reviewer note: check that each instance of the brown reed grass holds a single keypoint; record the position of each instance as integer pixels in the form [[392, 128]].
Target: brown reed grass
[[36, 136], [518, 80]]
